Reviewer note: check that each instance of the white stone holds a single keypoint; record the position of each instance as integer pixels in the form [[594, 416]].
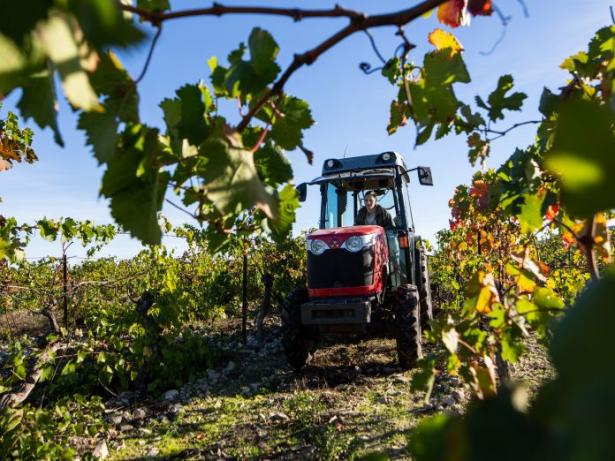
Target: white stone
[[139, 413], [101, 451], [171, 394], [212, 375], [278, 416]]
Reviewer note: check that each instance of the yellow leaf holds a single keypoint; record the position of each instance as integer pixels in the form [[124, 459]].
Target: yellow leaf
[[601, 236], [445, 40], [483, 303]]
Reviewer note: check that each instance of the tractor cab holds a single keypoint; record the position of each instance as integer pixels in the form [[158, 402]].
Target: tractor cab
[[363, 278]]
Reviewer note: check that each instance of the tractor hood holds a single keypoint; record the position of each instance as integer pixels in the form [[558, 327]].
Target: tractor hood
[[340, 234]]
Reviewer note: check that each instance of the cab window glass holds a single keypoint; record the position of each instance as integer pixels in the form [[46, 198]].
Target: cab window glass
[[340, 207]]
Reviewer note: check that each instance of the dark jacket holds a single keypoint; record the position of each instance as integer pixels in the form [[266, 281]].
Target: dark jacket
[[383, 218]]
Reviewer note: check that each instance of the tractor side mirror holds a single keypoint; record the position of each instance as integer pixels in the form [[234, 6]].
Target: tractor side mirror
[[302, 191], [425, 177]]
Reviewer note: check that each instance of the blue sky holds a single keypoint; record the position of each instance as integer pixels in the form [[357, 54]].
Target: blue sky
[[350, 108]]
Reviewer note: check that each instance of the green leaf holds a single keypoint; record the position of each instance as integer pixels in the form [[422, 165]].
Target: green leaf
[[46, 373], [524, 306], [497, 316], [479, 148], [583, 159], [391, 70], [443, 68], [135, 185], [103, 23], [575, 62], [68, 56], [531, 216], [39, 101], [69, 368], [120, 105], [548, 102], [263, 51], [288, 202], [154, 5], [474, 120], [185, 115], [232, 183], [101, 133], [244, 78], [287, 129], [18, 19], [433, 103], [398, 116], [112, 79], [272, 165], [546, 298], [480, 103], [428, 441], [499, 101], [512, 344], [424, 378], [423, 135], [583, 353], [48, 229], [81, 356], [15, 67]]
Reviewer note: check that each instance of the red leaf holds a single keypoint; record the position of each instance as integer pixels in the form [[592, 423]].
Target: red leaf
[[480, 7], [452, 13], [552, 211]]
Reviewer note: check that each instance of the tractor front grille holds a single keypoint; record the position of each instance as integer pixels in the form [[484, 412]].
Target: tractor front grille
[[339, 268]]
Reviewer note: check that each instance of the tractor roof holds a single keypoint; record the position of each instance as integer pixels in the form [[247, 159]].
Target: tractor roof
[[384, 160]]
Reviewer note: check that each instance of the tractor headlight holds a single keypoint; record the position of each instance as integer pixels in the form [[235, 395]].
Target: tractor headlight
[[317, 246], [357, 242]]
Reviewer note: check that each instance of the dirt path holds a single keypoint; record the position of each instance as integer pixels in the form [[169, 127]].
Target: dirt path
[[352, 399]]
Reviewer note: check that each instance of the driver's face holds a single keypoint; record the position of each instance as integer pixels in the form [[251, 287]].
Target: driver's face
[[370, 202]]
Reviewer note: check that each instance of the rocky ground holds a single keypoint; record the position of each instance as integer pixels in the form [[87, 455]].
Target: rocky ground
[[351, 400]]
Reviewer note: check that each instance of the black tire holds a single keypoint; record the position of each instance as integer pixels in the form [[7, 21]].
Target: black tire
[[408, 326], [424, 285], [297, 345]]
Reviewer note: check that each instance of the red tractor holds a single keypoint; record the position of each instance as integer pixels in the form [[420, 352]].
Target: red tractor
[[362, 280]]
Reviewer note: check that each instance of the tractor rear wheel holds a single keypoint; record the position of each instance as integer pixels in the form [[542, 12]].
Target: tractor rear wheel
[[408, 326], [423, 284], [297, 346]]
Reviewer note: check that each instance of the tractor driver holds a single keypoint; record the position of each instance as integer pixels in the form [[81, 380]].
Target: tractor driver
[[373, 213]]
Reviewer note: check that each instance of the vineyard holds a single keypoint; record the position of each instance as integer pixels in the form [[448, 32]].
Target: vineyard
[[182, 353]]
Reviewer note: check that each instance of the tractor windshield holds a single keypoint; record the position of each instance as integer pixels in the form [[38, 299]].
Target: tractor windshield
[[342, 200]]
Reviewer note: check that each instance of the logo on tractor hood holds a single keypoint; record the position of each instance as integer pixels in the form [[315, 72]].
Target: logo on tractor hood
[[353, 239]]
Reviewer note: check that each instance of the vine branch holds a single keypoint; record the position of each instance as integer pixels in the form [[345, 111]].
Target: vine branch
[[501, 134], [170, 202], [217, 9], [150, 54]]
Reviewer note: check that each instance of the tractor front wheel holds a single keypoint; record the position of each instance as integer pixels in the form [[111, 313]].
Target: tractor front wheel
[[297, 346], [408, 326]]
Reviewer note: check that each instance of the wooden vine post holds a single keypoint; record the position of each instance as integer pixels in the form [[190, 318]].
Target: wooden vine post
[[65, 287], [244, 294]]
